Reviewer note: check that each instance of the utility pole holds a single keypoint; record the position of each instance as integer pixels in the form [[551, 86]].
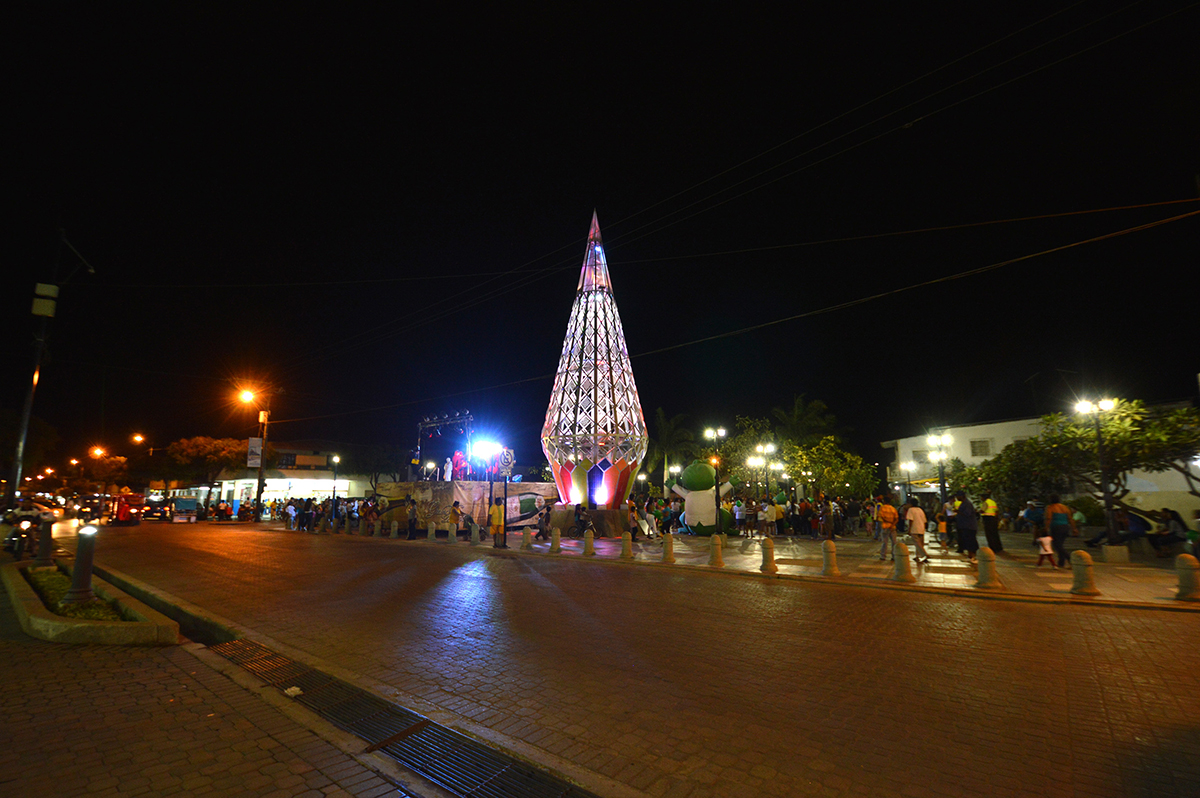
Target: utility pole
[[45, 300]]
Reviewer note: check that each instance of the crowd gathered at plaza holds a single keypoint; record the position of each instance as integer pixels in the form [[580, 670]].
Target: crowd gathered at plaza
[[955, 525]]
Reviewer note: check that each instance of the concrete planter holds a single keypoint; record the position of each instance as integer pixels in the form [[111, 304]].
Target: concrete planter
[[151, 628]]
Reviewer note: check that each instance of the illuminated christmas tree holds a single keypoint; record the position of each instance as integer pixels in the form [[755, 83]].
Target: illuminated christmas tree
[[595, 433]]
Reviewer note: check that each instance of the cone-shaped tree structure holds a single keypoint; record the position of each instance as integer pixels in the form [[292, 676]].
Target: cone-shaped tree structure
[[595, 434]]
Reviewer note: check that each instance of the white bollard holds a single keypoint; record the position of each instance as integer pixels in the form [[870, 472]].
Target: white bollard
[[432, 531], [395, 529], [589, 544], [902, 570], [988, 579], [626, 545], [829, 565], [474, 534], [555, 540], [1081, 569], [714, 552], [452, 533], [668, 540], [1188, 569], [526, 540], [768, 563]]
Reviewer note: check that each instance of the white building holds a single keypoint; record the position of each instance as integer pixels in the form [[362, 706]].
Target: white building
[[975, 443], [305, 469]]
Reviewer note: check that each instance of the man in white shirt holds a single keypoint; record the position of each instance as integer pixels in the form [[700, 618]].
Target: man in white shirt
[[915, 521]]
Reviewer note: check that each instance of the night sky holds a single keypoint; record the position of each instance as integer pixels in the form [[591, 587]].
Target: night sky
[[378, 209]]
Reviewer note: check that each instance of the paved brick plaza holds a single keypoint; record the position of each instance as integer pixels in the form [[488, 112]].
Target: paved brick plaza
[[683, 682]]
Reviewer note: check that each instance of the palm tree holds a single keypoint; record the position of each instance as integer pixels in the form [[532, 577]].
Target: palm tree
[[672, 442], [805, 423]]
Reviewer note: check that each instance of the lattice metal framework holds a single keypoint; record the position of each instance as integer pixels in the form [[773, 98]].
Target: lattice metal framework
[[595, 433]]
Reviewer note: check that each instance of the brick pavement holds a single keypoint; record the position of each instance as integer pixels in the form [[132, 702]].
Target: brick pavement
[[687, 682], [127, 721]]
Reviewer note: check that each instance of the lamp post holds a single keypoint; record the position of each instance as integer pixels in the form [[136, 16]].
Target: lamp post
[[908, 467], [333, 497], [939, 444], [81, 572], [716, 436], [642, 483], [1086, 408], [264, 420]]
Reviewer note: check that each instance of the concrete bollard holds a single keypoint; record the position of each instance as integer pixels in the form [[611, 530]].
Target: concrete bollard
[[589, 544], [668, 541], [626, 545], [431, 531], [902, 570], [323, 527], [395, 529], [474, 534], [452, 533], [829, 555], [1081, 568], [987, 579], [526, 540], [1188, 569], [714, 552], [555, 540], [768, 563]]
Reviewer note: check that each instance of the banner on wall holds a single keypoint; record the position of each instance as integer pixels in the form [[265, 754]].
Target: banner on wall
[[434, 499]]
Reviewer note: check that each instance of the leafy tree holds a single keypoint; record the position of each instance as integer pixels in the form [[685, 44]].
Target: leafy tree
[[751, 433], [1021, 471], [1135, 437], [835, 471], [672, 442], [380, 463], [806, 423], [203, 458]]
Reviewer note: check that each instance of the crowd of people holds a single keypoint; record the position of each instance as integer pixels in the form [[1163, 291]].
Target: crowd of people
[[955, 524]]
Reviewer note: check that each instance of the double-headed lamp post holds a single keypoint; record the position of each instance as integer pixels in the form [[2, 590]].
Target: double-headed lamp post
[[908, 467], [939, 444], [716, 436], [1086, 408]]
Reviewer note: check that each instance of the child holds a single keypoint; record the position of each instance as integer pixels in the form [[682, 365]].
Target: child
[[1045, 552]]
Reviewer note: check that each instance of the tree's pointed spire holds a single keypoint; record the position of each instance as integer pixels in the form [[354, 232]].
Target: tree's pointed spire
[[594, 275]]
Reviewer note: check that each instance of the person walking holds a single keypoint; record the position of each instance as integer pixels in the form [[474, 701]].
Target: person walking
[[967, 522], [990, 511], [886, 518], [916, 522], [1058, 523], [950, 509]]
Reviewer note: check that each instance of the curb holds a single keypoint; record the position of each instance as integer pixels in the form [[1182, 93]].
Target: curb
[[151, 628], [849, 581]]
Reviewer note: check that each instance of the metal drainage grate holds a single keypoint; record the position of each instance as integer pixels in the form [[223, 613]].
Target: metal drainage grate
[[448, 758]]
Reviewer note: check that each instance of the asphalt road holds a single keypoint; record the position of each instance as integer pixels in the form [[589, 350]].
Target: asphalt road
[[687, 683]]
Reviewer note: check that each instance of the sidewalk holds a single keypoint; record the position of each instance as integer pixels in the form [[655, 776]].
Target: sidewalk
[[129, 720], [1144, 580]]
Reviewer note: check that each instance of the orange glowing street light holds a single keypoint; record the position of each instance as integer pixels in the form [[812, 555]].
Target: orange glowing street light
[[138, 437], [97, 452]]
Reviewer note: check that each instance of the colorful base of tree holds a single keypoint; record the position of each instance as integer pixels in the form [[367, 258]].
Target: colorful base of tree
[[605, 484]]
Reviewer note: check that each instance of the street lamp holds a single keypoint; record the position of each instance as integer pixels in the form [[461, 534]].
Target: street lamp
[[939, 444], [264, 420], [716, 436], [333, 501], [908, 467], [1086, 408], [642, 481]]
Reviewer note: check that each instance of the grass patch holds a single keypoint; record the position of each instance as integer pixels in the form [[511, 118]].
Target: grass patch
[[52, 585]]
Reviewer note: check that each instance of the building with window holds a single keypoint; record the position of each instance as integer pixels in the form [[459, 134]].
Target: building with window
[[975, 443]]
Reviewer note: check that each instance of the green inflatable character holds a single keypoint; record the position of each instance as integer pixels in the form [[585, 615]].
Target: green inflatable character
[[697, 486]]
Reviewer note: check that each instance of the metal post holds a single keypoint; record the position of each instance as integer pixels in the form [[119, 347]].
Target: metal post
[[262, 460], [45, 556], [1109, 521], [81, 574]]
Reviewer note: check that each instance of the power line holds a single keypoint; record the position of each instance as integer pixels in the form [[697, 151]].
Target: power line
[[775, 322]]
